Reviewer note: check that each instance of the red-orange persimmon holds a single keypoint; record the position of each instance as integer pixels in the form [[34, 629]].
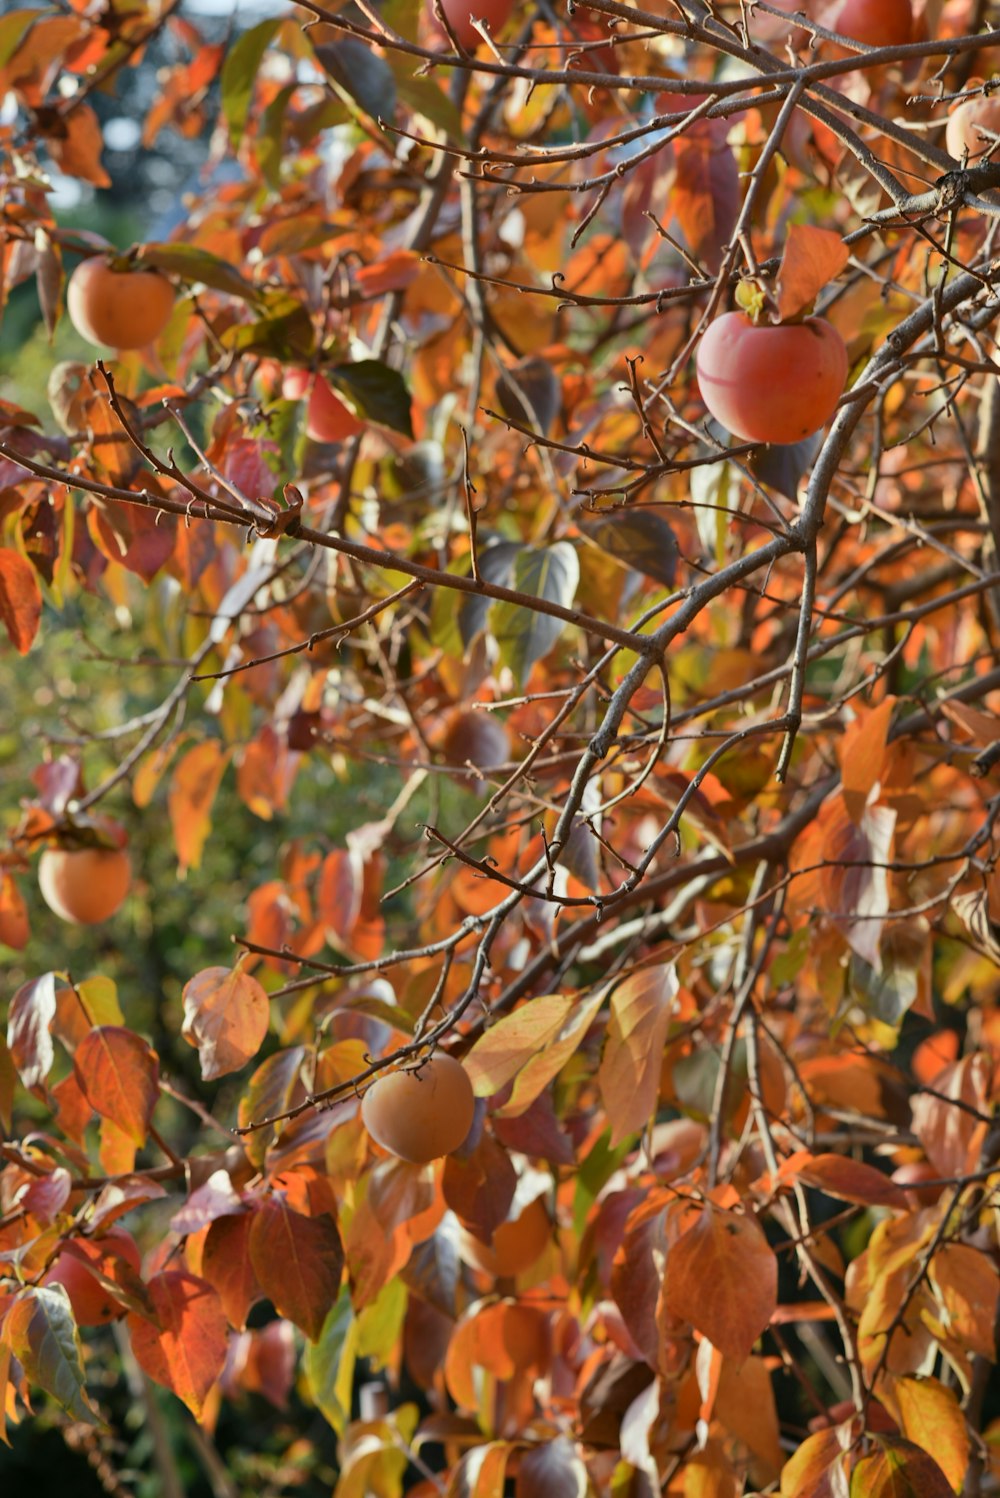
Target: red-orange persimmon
[[86, 885], [327, 418], [973, 128], [119, 308], [771, 384], [93, 1304], [876, 23], [460, 13], [423, 1114]]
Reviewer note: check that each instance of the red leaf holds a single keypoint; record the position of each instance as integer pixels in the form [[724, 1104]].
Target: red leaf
[[119, 1074], [812, 259], [187, 1351], [225, 1016], [20, 599], [299, 1263], [225, 1263]]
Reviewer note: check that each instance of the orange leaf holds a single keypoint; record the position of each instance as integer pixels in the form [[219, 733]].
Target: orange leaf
[[818, 1469], [629, 1075], [77, 144], [722, 1277], [812, 258], [14, 928], [862, 756], [298, 1261], [529, 1046], [226, 1014], [853, 1181], [118, 1073], [931, 1417], [20, 599], [186, 1352], [192, 791]]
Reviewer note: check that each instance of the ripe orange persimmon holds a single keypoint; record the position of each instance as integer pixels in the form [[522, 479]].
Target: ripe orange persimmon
[[119, 308], [327, 418], [93, 1305], [516, 1244], [972, 128], [423, 1114], [876, 23], [771, 384], [86, 885], [459, 13]]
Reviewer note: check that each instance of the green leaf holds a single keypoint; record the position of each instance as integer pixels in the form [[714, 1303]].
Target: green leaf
[[640, 539], [43, 1337], [191, 264], [377, 392], [328, 1363], [524, 637], [239, 74], [425, 97], [270, 137], [285, 332], [358, 74], [12, 31]]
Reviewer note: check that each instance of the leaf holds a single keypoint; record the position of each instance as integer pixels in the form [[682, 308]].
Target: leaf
[[118, 1074], [812, 259], [298, 1261], [851, 1181], [239, 75], [529, 393], [930, 1416], [898, 1469], [818, 1469], [8, 1080], [328, 1363], [192, 264], [529, 1047], [269, 1092], [20, 599], [193, 787], [722, 1277], [75, 144], [377, 392], [705, 194], [359, 74], [861, 752], [782, 466], [745, 1405], [14, 927], [424, 96], [186, 1351], [629, 1074], [552, 1470], [524, 637], [225, 1263], [29, 1021], [226, 1015], [42, 1335], [481, 1472], [640, 539]]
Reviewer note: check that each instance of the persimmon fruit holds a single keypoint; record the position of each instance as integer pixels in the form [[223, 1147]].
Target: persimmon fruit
[[327, 417], [972, 128], [771, 384], [119, 308], [460, 13], [876, 23], [93, 1304], [516, 1243], [85, 885], [420, 1115]]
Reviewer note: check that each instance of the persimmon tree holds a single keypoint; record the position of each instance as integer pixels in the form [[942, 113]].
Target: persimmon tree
[[662, 758]]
